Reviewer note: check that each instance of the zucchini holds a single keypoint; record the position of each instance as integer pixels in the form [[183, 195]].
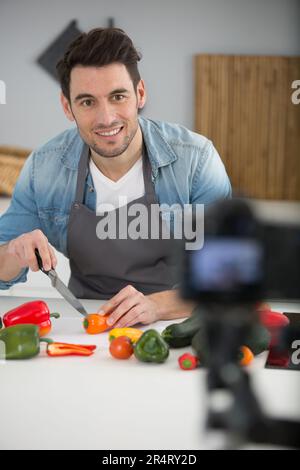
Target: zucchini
[[179, 335]]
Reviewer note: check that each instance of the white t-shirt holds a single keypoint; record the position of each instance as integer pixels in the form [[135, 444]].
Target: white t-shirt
[[118, 193]]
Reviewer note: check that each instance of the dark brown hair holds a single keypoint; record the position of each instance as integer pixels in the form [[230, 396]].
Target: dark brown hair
[[100, 46]]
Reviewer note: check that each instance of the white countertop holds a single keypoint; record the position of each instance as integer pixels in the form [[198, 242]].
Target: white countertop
[[99, 402]]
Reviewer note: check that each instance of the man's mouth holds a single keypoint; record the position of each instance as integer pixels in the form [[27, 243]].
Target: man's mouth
[[109, 133]]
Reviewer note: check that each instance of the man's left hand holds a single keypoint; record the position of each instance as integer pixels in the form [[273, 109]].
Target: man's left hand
[[128, 307]]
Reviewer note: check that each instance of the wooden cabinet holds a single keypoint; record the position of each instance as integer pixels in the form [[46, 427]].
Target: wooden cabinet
[[243, 104]]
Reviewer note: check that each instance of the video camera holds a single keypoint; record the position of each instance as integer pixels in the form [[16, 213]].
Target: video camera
[[243, 262]]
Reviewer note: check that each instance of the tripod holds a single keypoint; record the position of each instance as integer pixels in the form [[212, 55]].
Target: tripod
[[242, 417]]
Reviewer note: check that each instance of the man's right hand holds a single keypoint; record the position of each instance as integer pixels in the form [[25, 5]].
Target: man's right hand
[[22, 250]]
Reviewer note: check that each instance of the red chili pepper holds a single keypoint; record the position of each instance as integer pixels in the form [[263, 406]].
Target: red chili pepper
[[35, 312], [188, 361], [67, 349]]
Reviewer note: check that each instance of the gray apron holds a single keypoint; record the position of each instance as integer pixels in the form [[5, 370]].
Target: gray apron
[[100, 268]]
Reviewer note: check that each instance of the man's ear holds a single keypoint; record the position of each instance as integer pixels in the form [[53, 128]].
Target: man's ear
[[141, 94], [66, 107]]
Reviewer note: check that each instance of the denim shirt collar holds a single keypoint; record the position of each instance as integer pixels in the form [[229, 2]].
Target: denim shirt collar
[[159, 150], [70, 154]]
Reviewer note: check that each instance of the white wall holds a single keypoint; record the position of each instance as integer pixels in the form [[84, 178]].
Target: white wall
[[168, 33]]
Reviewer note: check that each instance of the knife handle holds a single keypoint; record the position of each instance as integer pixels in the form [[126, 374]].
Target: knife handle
[[40, 262]]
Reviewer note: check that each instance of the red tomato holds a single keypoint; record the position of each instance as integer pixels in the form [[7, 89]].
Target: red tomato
[[121, 348]]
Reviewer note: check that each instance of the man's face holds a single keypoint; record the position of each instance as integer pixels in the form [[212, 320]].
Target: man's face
[[105, 106]]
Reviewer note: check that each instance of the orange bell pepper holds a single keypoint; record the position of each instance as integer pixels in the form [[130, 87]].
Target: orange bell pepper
[[95, 323]]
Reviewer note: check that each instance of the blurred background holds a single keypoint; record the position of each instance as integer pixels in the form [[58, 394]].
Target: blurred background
[[223, 68], [242, 103]]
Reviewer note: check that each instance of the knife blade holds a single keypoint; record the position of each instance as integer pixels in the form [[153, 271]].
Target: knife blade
[[61, 287]]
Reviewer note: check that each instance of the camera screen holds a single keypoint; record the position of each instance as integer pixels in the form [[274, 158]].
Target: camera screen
[[227, 267]]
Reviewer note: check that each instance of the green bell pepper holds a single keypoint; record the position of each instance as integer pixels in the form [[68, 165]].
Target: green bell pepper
[[151, 347], [21, 341]]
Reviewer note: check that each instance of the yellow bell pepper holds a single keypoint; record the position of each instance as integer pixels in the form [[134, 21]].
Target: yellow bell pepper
[[132, 333]]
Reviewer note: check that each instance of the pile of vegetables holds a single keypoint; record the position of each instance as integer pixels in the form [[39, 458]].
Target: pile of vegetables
[[191, 332], [26, 326]]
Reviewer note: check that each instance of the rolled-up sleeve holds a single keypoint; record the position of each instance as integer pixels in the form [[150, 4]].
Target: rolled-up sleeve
[[21, 277], [21, 215]]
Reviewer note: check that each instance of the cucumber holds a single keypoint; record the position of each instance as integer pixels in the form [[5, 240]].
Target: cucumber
[[179, 335]]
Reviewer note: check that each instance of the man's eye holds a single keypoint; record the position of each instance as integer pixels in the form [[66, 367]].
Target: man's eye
[[86, 103], [118, 97]]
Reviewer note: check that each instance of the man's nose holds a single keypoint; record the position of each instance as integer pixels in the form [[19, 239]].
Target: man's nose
[[106, 115]]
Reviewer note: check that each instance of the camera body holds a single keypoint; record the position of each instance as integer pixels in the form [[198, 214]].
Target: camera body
[[243, 259]]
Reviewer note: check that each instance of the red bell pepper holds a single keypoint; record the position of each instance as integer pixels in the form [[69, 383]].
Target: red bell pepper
[[66, 349], [35, 312], [274, 322], [271, 319]]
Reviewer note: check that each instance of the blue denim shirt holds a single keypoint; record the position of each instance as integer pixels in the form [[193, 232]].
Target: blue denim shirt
[[186, 169]]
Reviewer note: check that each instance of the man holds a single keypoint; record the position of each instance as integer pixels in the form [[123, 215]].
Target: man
[[112, 152]]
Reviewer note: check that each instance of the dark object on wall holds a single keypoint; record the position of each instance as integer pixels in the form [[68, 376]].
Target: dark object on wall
[[111, 23], [49, 58]]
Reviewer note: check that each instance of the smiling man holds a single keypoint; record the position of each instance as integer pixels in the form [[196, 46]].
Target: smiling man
[[113, 162]]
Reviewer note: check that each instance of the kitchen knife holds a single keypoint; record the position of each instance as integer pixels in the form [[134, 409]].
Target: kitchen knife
[[60, 286]]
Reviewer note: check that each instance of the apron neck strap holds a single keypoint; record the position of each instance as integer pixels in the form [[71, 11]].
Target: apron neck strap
[[147, 173], [82, 174]]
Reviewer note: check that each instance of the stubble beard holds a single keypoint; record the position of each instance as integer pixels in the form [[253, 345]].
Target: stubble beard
[[114, 152]]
